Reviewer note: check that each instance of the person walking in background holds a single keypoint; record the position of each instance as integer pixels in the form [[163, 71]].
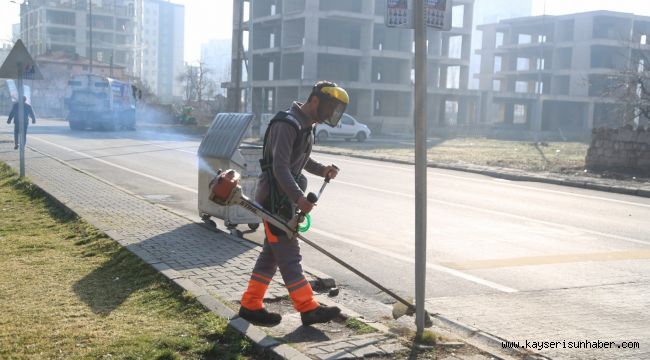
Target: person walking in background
[[13, 115]]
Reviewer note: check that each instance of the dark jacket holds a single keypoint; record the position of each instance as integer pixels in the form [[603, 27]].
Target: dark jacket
[[288, 162], [29, 112]]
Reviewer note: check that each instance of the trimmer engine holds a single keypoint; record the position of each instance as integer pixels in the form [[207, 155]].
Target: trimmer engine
[[225, 189]]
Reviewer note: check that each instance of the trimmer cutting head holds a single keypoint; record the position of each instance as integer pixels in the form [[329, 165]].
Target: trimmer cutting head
[[400, 309]]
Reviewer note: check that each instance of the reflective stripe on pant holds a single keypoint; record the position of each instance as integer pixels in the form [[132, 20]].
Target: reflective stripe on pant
[[284, 253]]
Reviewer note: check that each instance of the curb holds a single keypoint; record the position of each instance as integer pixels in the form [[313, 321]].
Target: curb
[[506, 175], [492, 341]]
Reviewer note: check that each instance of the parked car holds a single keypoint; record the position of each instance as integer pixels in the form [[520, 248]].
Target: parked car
[[348, 128]]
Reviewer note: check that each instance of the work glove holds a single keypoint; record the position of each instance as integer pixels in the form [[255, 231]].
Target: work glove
[[305, 205], [331, 171]]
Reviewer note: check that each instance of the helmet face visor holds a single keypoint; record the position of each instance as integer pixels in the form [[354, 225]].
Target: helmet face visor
[[332, 105], [335, 115]]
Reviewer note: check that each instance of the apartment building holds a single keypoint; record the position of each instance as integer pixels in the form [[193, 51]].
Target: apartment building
[[559, 74], [49, 26], [293, 43], [159, 61]]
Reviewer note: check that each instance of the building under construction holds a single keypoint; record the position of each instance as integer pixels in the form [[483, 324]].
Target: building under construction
[[562, 75], [285, 46]]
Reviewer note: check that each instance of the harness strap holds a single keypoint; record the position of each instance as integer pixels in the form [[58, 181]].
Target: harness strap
[[266, 162]]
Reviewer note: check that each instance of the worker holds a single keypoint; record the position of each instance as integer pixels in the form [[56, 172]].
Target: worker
[[281, 190]]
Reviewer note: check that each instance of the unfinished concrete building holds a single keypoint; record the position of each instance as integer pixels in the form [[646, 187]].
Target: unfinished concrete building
[[65, 26], [293, 43], [560, 75]]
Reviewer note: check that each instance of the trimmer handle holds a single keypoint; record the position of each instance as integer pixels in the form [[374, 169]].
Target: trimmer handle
[[297, 219], [312, 198], [327, 178]]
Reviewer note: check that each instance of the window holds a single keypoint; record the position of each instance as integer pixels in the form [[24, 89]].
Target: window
[[524, 39], [521, 87], [499, 40], [523, 64], [519, 114], [497, 63], [458, 16], [455, 47]]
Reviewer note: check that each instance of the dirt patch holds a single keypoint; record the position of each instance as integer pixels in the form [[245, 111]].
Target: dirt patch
[[291, 330]]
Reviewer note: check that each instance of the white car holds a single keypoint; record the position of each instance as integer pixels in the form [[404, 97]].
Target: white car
[[348, 128]]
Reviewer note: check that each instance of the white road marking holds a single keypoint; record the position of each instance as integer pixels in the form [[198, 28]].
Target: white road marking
[[430, 266], [90, 157], [501, 213], [177, 149], [506, 183]]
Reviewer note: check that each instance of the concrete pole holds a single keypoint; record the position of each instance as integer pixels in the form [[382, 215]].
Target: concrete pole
[[420, 126], [20, 117], [234, 93]]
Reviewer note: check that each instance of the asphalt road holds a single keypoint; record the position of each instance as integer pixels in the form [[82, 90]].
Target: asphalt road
[[486, 237]]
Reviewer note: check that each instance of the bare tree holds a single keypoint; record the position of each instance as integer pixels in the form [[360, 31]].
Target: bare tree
[[199, 86], [631, 87], [146, 93], [639, 87]]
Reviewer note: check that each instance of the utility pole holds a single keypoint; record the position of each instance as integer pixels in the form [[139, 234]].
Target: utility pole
[[234, 92], [415, 15], [420, 127]]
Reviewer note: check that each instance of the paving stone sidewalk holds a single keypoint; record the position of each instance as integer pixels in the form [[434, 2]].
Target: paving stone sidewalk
[[215, 267]]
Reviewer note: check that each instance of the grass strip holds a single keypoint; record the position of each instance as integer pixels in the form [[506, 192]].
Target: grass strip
[[67, 291]]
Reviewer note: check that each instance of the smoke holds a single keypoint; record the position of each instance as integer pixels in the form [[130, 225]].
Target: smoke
[[155, 114], [204, 166]]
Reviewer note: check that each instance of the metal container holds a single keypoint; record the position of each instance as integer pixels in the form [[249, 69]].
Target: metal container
[[221, 148]]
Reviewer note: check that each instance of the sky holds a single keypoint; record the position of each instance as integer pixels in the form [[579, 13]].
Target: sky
[[212, 19]]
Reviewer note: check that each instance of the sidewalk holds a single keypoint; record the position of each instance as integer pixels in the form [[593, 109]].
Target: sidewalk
[[215, 267]]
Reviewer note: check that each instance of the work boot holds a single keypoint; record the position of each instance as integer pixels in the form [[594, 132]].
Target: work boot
[[260, 317], [15, 147], [321, 314]]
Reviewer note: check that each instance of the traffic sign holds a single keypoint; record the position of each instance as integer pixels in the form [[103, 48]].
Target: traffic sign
[[400, 14], [19, 57]]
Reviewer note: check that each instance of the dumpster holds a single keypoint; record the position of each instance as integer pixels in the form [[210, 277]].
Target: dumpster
[[221, 148]]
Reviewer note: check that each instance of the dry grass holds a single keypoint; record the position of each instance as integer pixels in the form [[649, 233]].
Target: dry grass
[[67, 291], [552, 156]]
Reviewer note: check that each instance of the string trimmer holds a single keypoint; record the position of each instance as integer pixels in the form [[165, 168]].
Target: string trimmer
[[225, 190]]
